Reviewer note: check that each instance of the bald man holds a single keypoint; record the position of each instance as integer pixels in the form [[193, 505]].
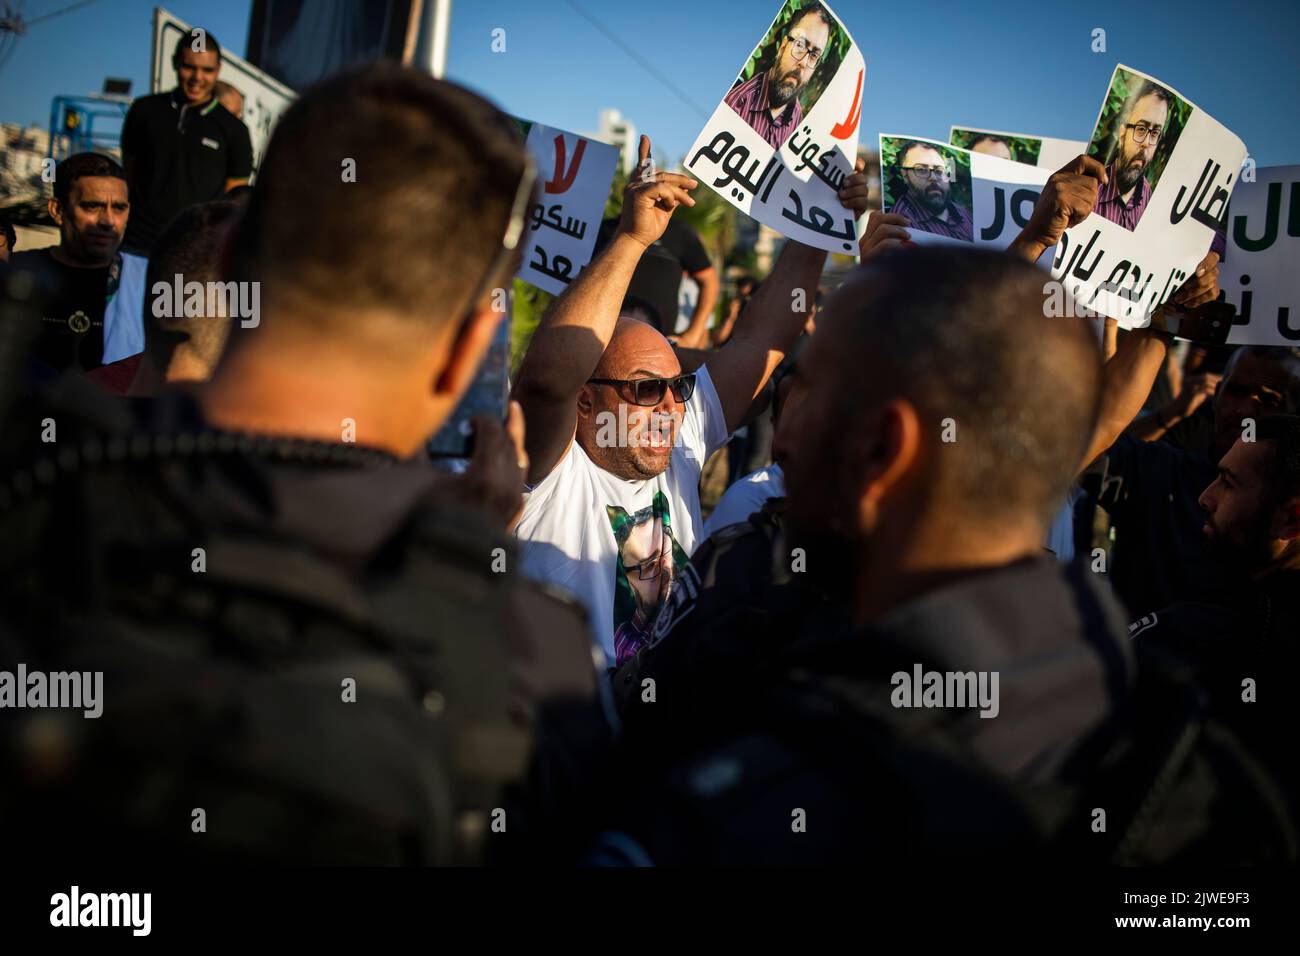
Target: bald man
[[618, 435]]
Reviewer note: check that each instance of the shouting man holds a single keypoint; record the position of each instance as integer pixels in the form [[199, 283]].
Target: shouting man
[[618, 432]]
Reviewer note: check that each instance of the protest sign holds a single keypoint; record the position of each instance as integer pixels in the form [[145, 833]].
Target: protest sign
[[1042, 151], [955, 196], [1259, 274], [574, 176], [782, 141], [1171, 168], [265, 97]]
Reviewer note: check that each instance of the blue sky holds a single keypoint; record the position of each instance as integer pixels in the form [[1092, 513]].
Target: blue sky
[[1020, 66]]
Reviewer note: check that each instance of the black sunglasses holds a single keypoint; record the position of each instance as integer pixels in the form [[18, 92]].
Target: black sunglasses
[[650, 391]]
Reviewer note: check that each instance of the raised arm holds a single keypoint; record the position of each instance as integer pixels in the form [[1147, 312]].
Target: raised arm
[[1197, 389], [1068, 196], [1066, 200], [1126, 382], [776, 314], [766, 329], [576, 329]]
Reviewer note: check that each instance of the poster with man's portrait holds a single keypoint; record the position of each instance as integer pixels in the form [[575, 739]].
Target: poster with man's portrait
[[1139, 127], [788, 70], [1170, 171], [1043, 151], [930, 184], [785, 136], [952, 195]]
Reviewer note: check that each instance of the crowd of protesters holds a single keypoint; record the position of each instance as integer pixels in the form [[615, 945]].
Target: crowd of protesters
[[347, 654]]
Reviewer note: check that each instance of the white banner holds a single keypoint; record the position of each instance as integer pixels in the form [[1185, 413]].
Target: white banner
[[1171, 170], [574, 175], [782, 141], [1259, 274], [265, 97], [1043, 151]]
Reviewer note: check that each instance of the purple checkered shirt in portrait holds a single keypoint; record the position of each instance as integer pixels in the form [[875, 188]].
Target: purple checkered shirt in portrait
[[1111, 206], [749, 99], [958, 226]]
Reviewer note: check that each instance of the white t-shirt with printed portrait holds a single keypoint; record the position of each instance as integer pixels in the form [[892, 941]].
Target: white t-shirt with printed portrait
[[618, 545]]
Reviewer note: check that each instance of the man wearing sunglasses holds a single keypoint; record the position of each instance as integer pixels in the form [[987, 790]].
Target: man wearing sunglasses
[[1124, 196], [769, 101], [614, 422]]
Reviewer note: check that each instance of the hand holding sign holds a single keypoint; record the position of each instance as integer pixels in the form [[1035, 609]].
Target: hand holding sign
[[1202, 287], [884, 229], [1066, 200], [853, 194], [648, 202]]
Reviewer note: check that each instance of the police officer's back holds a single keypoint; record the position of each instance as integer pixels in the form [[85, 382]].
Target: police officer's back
[[311, 652]]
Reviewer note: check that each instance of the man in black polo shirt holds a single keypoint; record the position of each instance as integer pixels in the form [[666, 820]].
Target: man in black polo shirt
[[92, 292], [182, 147]]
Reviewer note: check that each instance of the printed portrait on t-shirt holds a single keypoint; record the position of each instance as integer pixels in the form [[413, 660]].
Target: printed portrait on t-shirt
[[649, 559]]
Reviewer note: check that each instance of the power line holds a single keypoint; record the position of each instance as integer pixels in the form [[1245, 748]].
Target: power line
[[68, 9], [12, 25], [644, 63]]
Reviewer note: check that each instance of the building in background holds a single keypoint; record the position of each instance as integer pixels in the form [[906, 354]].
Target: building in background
[[23, 193], [617, 131]]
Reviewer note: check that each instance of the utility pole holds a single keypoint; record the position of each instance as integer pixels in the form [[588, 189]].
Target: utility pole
[[434, 31]]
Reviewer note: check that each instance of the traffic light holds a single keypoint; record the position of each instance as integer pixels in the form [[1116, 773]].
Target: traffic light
[[71, 121]]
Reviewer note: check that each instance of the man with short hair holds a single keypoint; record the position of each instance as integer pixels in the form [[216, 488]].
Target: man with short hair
[[769, 100], [1152, 489], [179, 346], [1124, 196], [1252, 520], [181, 148], [1253, 506], [925, 181], [94, 291], [279, 584], [230, 97]]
